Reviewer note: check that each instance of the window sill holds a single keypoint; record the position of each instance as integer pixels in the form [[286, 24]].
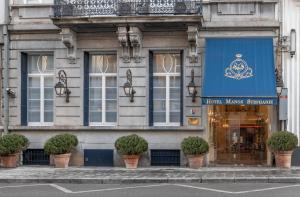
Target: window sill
[[107, 128], [32, 5]]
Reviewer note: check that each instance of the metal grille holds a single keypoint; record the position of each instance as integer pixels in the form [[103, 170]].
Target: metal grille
[[126, 7], [35, 157], [165, 157]]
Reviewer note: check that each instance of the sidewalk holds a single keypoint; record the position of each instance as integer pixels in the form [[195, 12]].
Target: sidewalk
[[37, 174]]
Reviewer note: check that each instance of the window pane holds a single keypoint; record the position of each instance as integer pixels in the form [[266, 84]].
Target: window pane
[[159, 81], [111, 81], [34, 82], [167, 63], [48, 116], [159, 105], [175, 81], [159, 93], [174, 93], [112, 63], [96, 81], [95, 93], [34, 93], [34, 105], [111, 93], [174, 116], [174, 105], [159, 117], [111, 105], [48, 82], [33, 116], [48, 105], [40, 64], [111, 116], [48, 93], [103, 64], [95, 105], [95, 116]]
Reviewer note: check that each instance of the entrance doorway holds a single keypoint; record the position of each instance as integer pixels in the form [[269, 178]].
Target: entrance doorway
[[239, 134]]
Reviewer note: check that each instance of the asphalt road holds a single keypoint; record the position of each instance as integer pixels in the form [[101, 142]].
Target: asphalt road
[[151, 190]]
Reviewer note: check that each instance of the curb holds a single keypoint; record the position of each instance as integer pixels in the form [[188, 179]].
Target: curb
[[157, 180]]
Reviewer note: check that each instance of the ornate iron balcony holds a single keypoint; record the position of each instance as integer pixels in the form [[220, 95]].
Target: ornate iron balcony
[[65, 8]]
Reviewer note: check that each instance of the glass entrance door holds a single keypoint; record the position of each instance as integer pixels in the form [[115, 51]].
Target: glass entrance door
[[239, 134]]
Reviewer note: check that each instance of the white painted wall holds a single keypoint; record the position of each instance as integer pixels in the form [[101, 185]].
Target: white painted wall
[[291, 20], [2, 12]]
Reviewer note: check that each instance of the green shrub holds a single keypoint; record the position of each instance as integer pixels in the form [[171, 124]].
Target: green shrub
[[131, 145], [12, 143], [23, 141], [194, 146], [282, 141], [61, 144]]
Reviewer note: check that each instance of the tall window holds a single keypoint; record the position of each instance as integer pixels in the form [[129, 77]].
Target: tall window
[[166, 89], [40, 90], [103, 90]]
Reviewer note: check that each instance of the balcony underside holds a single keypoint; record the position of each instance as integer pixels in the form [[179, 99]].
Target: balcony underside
[[87, 24]]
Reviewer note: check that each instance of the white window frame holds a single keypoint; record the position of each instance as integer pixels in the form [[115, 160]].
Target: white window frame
[[42, 98], [167, 78], [103, 98], [37, 1]]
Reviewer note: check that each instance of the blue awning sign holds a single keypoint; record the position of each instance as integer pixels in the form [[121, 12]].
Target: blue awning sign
[[239, 71]]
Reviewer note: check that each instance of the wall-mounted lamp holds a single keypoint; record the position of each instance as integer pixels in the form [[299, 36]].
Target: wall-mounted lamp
[[293, 42], [128, 88], [192, 87], [288, 43], [61, 88]]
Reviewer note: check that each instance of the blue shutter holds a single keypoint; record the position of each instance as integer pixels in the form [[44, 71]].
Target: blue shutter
[[86, 90], [181, 87], [23, 89], [150, 88]]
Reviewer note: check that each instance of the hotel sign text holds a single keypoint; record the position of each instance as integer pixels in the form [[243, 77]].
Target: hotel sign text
[[239, 101]]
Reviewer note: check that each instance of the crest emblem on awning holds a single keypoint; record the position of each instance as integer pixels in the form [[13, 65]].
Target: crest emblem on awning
[[238, 69]]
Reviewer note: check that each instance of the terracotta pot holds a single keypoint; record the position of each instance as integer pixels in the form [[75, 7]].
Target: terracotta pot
[[195, 161], [131, 161], [62, 160], [283, 159], [10, 161]]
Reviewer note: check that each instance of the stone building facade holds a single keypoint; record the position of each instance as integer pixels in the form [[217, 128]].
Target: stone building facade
[[290, 21], [161, 43]]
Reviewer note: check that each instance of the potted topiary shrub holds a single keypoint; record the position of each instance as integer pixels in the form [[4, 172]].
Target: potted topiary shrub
[[131, 147], [60, 146], [10, 147], [282, 143], [194, 148]]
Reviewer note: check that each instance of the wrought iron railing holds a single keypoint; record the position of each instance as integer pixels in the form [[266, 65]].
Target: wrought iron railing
[[64, 8]]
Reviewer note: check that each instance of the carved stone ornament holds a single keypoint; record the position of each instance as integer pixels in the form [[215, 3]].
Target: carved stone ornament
[[193, 43], [69, 39], [124, 42], [135, 36]]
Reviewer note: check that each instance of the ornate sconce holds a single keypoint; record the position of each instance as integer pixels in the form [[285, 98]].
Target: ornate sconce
[[192, 87], [128, 88], [61, 88]]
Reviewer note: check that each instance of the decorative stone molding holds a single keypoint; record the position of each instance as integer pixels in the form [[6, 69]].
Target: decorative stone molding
[[124, 42], [135, 36], [193, 35], [69, 39]]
